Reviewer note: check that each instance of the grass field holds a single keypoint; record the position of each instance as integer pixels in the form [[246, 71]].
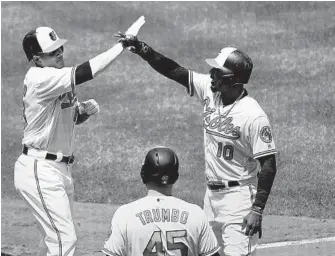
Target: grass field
[[292, 47]]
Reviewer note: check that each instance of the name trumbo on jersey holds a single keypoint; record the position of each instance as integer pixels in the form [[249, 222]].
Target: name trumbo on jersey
[[162, 215]]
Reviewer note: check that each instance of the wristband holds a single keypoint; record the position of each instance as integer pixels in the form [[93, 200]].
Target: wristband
[[257, 209]]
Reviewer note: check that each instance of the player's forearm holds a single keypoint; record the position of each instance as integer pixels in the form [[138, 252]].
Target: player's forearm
[[90, 69], [265, 181], [165, 66], [103, 60]]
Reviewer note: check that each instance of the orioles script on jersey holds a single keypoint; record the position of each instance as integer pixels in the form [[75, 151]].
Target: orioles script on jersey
[[162, 215], [219, 124]]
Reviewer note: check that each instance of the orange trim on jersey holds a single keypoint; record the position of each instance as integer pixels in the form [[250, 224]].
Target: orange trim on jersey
[[249, 247], [190, 83], [73, 79], [222, 135], [46, 209], [265, 153], [104, 250]]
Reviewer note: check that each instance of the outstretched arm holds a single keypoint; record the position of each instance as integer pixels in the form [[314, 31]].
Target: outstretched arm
[[157, 61], [90, 69]]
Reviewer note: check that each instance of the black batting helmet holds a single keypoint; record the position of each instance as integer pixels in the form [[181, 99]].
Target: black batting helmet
[[235, 64], [160, 166], [41, 40]]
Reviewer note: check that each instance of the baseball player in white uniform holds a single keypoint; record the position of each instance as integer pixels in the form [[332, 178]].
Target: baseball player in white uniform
[[51, 111], [240, 164], [160, 224]]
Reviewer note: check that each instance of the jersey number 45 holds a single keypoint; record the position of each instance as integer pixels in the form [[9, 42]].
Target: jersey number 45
[[157, 242]]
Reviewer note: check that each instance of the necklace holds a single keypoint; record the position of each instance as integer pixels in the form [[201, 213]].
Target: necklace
[[235, 102]]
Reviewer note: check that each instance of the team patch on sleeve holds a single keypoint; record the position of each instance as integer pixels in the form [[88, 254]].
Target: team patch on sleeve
[[265, 134]]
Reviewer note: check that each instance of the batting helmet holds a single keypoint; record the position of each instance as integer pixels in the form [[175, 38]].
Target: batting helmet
[[160, 166], [235, 64], [41, 40]]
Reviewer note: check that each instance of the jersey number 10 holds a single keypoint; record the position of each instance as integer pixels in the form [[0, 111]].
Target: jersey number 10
[[157, 242], [227, 151]]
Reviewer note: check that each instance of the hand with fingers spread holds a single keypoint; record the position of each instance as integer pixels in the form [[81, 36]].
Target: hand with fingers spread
[[128, 38], [252, 223], [133, 44], [127, 41]]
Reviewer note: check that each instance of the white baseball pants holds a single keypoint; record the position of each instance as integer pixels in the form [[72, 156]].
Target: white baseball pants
[[225, 210], [47, 187]]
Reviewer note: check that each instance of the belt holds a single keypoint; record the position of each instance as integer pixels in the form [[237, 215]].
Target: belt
[[50, 156], [221, 185]]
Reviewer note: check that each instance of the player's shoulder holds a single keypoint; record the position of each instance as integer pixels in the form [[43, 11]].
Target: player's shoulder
[[38, 75], [254, 108], [200, 77], [131, 207], [37, 71]]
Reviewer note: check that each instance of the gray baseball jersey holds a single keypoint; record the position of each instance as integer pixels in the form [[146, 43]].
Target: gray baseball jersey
[[162, 225]]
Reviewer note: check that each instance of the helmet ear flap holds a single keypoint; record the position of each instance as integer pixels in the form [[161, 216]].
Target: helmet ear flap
[[174, 178]]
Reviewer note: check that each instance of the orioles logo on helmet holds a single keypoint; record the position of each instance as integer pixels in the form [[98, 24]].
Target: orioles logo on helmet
[[53, 36]]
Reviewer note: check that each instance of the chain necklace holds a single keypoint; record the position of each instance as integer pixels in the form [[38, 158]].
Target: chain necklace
[[235, 102]]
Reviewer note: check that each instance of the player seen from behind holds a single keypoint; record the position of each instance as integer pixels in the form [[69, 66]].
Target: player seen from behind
[[160, 224]]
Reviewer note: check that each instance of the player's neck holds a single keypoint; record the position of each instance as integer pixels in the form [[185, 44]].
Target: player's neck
[[160, 191], [233, 95]]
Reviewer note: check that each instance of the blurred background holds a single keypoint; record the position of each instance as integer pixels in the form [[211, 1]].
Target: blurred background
[[290, 43]]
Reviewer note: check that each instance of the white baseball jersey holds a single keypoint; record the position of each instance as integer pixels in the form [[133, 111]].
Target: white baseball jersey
[[49, 104], [235, 135], [160, 225]]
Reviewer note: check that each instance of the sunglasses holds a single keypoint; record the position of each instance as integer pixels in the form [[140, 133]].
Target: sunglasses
[[217, 74]]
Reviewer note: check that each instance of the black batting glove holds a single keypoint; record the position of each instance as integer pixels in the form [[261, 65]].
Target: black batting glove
[[133, 44]]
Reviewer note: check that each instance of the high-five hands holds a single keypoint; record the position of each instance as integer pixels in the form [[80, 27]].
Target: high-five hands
[[129, 38]]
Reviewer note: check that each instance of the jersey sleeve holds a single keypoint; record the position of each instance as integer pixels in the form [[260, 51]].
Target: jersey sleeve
[[261, 138], [197, 84], [52, 82], [115, 245], [208, 244]]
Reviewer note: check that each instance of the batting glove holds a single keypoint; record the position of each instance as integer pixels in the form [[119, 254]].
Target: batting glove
[[89, 107], [133, 44], [127, 41]]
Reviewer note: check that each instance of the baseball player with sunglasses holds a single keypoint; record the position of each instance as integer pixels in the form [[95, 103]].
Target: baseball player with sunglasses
[[240, 164], [51, 111]]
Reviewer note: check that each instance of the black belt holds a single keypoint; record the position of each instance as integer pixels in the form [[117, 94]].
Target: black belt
[[217, 186], [49, 156]]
